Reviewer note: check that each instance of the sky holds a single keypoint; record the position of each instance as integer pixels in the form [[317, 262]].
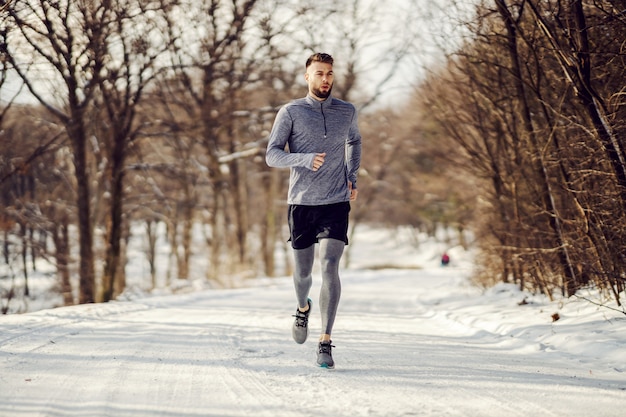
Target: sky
[[412, 338], [420, 30]]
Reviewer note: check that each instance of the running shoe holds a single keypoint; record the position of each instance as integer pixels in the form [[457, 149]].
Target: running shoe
[[300, 329], [324, 355]]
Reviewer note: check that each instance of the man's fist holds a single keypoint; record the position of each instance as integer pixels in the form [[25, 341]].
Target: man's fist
[[318, 161]]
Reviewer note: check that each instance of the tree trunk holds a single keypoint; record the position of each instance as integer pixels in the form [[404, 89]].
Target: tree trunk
[[24, 232], [152, 228], [218, 234], [172, 237], [114, 230], [270, 229], [61, 239], [83, 196], [241, 208], [187, 225]]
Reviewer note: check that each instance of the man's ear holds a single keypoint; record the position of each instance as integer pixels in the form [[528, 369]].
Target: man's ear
[[306, 76]]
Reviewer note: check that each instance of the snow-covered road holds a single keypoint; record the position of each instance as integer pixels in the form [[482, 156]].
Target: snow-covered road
[[408, 343]]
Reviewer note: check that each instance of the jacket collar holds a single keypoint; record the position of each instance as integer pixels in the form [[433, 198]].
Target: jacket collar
[[323, 105]]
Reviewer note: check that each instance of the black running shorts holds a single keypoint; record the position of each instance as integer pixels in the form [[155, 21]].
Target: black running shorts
[[308, 224]]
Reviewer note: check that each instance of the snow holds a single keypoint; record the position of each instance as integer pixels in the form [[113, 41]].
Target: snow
[[412, 339]]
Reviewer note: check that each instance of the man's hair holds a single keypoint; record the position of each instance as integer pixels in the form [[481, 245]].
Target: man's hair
[[319, 57]]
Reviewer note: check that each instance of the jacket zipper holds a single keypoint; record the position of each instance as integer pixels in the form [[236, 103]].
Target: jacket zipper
[[324, 118]]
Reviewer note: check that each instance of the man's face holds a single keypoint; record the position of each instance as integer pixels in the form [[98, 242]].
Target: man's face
[[319, 76]]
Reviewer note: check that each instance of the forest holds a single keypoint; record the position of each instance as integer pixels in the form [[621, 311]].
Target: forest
[[500, 120]]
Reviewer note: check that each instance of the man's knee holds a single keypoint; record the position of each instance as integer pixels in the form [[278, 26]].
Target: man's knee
[[331, 253]]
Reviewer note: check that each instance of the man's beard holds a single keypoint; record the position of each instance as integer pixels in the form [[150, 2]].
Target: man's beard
[[319, 93]]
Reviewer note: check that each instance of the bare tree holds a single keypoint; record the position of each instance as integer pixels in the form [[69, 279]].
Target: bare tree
[[216, 79], [47, 47], [539, 138], [28, 195], [573, 51], [128, 38]]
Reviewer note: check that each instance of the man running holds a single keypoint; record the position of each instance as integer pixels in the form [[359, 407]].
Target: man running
[[324, 155]]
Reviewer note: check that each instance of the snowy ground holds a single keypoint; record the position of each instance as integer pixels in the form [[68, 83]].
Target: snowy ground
[[409, 342]]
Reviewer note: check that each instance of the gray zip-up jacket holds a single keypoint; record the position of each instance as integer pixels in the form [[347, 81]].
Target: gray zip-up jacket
[[309, 127]]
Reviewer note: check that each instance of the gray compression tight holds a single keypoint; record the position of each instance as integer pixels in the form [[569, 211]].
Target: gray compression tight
[[330, 252]]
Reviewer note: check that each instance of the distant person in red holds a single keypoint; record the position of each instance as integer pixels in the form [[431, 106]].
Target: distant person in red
[[445, 259]]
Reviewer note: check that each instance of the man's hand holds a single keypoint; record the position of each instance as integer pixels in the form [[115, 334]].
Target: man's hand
[[318, 161], [353, 191]]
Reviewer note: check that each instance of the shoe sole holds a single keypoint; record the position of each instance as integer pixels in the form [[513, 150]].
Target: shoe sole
[[326, 366]]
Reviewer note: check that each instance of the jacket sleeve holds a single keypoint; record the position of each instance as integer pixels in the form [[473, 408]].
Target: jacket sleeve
[[276, 156], [353, 150]]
